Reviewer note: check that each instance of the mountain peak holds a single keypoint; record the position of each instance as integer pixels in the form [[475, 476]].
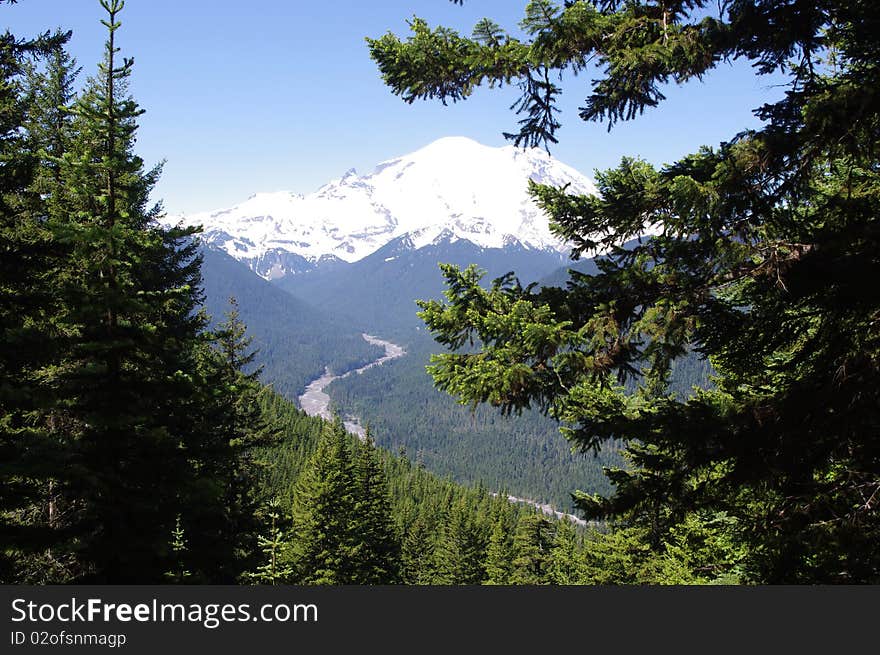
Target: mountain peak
[[453, 186], [450, 143]]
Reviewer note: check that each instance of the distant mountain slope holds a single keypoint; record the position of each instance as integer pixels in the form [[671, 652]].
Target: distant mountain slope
[[379, 291], [295, 339], [453, 186]]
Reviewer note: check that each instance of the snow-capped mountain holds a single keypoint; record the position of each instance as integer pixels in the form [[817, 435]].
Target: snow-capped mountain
[[453, 188]]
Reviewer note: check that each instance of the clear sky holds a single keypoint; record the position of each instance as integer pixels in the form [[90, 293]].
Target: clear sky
[[268, 95]]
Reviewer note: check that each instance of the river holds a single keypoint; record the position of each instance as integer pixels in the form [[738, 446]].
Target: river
[[315, 402]]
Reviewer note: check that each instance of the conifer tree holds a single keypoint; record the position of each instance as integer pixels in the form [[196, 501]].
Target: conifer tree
[[499, 555], [234, 428], [532, 542], [417, 559], [460, 552], [128, 380], [30, 458], [50, 94], [322, 543], [377, 551], [761, 251], [565, 566], [275, 569]]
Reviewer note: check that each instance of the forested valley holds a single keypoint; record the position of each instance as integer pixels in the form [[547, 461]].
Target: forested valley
[[139, 445]]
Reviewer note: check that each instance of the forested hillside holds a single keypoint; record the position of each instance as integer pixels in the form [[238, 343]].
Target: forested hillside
[[339, 511], [295, 340]]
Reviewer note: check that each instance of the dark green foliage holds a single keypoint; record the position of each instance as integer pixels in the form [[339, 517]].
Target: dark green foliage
[[460, 554], [129, 293], [417, 552], [322, 538], [565, 564], [764, 251], [499, 555], [234, 430], [443, 528], [531, 550], [121, 429], [377, 553], [29, 459]]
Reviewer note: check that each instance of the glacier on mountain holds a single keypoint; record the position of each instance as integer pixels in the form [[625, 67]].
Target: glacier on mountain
[[453, 188]]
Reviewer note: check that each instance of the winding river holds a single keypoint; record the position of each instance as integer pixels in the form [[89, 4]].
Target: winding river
[[315, 402]]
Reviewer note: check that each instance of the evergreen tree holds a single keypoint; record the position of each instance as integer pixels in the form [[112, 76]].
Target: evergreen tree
[[378, 549], [128, 380], [460, 553], [234, 426], [274, 570], [322, 543], [762, 249], [31, 457], [565, 566], [532, 542], [50, 93], [417, 558], [499, 555], [621, 556]]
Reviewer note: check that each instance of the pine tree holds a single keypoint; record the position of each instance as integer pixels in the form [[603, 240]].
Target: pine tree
[[234, 428], [418, 558], [274, 569], [128, 380], [460, 552], [499, 555], [50, 94], [565, 566], [322, 543], [532, 542], [377, 553], [762, 249], [30, 456]]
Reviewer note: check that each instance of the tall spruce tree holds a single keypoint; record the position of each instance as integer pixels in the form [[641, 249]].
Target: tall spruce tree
[[417, 558], [322, 543], [761, 261], [378, 549], [234, 428], [532, 542], [30, 456], [461, 551], [565, 565], [50, 93], [499, 555], [128, 381]]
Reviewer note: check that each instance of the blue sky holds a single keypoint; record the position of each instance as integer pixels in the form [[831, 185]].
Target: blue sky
[[270, 95]]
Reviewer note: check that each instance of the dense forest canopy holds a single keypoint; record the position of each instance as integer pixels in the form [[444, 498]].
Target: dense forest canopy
[[763, 260]]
